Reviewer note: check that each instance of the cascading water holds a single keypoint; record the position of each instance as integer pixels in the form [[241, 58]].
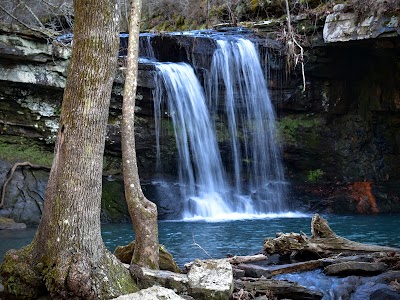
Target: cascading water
[[236, 80], [251, 121], [200, 167]]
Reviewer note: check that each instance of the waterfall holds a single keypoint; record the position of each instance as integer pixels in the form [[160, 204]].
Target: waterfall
[[201, 173], [235, 82], [249, 113]]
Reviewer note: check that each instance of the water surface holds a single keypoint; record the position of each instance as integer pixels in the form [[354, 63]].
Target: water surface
[[240, 237]]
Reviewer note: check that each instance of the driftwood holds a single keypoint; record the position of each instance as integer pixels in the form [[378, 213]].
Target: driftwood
[[279, 288], [323, 242], [11, 173], [235, 260]]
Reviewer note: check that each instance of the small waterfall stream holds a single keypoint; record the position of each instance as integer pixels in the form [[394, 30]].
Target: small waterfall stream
[[235, 82]]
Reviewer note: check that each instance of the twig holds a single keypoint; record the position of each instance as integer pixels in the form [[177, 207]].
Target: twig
[[194, 243], [42, 30], [297, 56], [11, 173], [34, 15]]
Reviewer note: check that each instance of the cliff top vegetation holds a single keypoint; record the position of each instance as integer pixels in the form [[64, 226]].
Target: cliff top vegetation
[[171, 15]]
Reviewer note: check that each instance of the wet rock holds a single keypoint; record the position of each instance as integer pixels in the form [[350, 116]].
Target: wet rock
[[10, 224], [152, 293], [185, 48], [355, 268], [167, 262], [238, 273], [385, 294], [255, 271], [211, 279]]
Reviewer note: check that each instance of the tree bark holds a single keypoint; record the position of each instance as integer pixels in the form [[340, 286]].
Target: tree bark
[[142, 211], [67, 257]]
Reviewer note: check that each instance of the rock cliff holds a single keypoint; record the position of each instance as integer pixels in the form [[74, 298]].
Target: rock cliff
[[343, 130]]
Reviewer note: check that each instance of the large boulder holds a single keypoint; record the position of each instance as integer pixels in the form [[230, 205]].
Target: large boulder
[[211, 279], [152, 293]]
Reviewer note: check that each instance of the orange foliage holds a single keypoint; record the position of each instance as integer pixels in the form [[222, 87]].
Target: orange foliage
[[362, 194]]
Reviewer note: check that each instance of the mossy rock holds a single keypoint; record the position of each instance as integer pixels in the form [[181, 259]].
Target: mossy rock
[[10, 224], [166, 262]]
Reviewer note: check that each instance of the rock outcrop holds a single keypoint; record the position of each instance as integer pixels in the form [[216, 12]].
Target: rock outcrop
[[344, 129]]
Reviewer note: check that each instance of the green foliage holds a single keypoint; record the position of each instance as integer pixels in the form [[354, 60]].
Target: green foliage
[[14, 149], [315, 175], [298, 129]]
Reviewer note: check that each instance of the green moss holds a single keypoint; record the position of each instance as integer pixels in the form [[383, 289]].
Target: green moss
[[299, 129], [222, 133], [315, 175], [14, 149], [19, 278], [113, 204], [119, 282]]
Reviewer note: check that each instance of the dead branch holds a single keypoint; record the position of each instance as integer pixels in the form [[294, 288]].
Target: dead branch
[[11, 173], [194, 243], [41, 30], [235, 260], [291, 51]]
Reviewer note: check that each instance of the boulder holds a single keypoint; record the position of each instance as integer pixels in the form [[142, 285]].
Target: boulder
[[10, 224], [211, 279], [152, 293], [146, 278], [355, 268], [166, 262]]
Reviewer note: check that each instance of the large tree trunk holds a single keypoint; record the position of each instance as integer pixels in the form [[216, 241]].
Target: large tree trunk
[[67, 257], [142, 211]]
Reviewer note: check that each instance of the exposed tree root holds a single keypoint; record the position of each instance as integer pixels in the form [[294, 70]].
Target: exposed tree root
[[11, 173], [73, 275]]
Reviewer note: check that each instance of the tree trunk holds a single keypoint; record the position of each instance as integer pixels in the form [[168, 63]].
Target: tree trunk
[[67, 257], [142, 211]]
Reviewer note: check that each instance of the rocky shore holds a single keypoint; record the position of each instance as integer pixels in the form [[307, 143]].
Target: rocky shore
[[293, 266]]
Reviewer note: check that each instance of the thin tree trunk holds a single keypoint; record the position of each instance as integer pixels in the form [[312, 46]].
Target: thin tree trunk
[[142, 211], [67, 257]]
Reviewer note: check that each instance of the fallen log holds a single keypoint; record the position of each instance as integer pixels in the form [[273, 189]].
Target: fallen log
[[280, 288], [235, 260], [323, 242]]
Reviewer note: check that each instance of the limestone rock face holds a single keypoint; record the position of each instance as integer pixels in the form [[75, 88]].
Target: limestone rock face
[[343, 26], [211, 279], [153, 293], [33, 61]]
